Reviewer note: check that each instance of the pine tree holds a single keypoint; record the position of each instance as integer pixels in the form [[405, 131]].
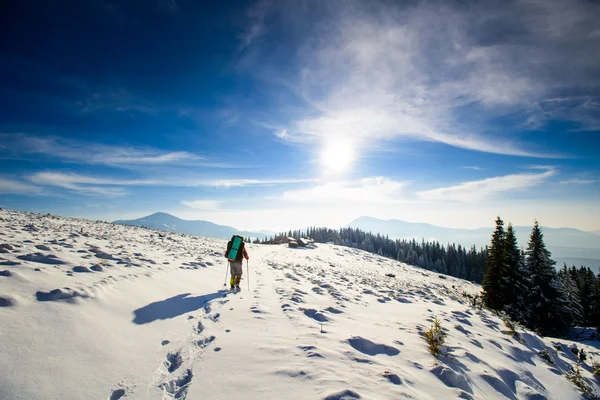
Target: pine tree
[[588, 291], [572, 295], [549, 312], [462, 262], [440, 266], [515, 280], [493, 284], [597, 305]]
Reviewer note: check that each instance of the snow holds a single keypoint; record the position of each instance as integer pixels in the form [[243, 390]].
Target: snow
[[100, 311]]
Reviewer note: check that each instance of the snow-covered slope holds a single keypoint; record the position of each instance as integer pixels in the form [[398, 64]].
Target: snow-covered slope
[[102, 311]]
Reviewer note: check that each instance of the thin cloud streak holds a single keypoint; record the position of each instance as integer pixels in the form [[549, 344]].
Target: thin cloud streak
[[126, 157], [579, 181], [249, 182], [202, 204], [11, 186], [374, 190], [59, 178], [75, 151], [486, 189], [75, 181]]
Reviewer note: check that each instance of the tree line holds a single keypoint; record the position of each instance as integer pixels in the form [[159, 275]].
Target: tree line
[[522, 283], [528, 288], [452, 259]]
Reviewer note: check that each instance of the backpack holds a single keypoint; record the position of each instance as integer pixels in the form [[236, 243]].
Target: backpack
[[235, 248]]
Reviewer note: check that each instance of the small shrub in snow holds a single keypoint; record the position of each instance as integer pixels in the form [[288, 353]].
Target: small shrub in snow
[[596, 368], [545, 354], [574, 375], [512, 327], [579, 353], [582, 356], [435, 337], [557, 346], [574, 349], [474, 300]]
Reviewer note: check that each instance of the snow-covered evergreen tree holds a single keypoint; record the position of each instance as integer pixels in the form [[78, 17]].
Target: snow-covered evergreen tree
[[549, 313], [572, 295], [588, 293], [597, 305], [493, 283], [462, 262], [440, 266], [516, 284]]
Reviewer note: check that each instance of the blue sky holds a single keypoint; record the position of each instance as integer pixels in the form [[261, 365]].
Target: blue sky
[[283, 114]]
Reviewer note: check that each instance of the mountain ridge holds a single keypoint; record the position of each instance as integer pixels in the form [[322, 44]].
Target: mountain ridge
[[170, 223]]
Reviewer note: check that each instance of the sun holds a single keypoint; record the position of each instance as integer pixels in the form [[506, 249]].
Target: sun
[[337, 156]]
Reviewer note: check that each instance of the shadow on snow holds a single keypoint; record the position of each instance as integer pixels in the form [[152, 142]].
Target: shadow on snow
[[173, 307]]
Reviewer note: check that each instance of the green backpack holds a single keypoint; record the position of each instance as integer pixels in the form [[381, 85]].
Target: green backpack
[[234, 248]]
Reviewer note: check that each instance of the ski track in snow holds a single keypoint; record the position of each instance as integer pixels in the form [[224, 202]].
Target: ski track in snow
[[323, 322]]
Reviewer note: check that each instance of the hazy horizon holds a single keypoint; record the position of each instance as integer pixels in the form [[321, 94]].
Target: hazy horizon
[[135, 216]]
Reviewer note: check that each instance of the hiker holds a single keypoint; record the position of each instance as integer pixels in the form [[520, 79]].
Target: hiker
[[236, 266]]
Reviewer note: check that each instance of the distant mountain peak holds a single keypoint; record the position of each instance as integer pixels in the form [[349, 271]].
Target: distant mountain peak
[[170, 223], [161, 214]]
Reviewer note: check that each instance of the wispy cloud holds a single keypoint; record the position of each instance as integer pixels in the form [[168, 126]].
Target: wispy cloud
[[202, 204], [246, 182], [374, 190], [413, 70], [93, 185], [60, 178], [74, 151], [281, 132], [366, 126], [114, 99], [579, 181], [285, 135], [256, 28], [77, 183], [12, 186], [582, 110], [477, 191]]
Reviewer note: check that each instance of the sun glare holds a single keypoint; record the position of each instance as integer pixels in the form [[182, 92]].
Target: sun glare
[[337, 156]]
